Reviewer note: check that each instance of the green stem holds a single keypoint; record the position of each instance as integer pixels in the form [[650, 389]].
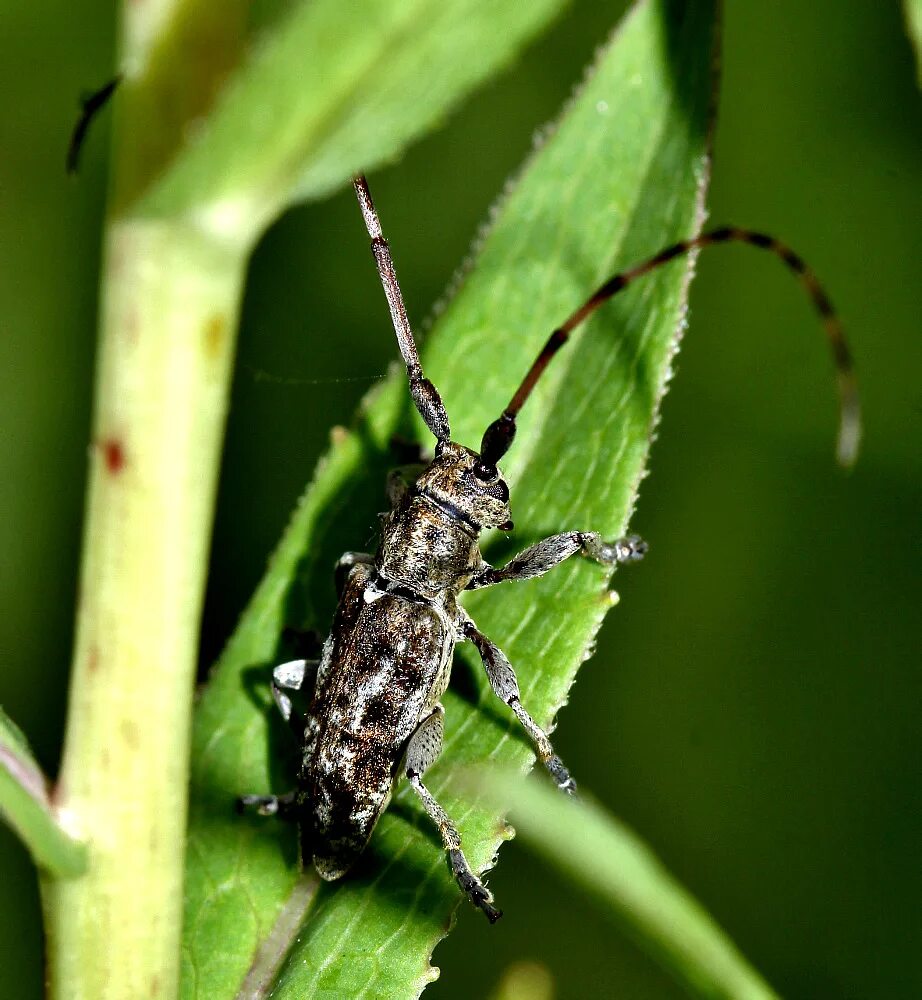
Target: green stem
[[170, 301]]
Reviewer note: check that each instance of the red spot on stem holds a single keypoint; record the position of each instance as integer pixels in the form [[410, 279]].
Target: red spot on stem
[[114, 453]]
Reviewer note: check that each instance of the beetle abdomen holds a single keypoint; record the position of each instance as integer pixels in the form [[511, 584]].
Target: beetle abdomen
[[385, 667]]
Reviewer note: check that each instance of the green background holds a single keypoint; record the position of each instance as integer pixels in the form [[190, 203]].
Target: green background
[[754, 706]]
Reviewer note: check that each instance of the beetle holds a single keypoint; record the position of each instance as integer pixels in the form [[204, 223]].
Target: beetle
[[374, 709]]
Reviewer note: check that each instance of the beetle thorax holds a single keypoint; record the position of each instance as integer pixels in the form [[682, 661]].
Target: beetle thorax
[[430, 539]]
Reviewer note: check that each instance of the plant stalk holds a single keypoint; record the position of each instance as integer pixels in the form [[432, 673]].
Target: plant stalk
[[170, 301]]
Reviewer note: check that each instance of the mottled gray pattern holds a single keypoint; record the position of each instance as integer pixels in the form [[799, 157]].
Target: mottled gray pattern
[[386, 663]]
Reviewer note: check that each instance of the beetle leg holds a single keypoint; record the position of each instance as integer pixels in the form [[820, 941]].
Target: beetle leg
[[282, 806], [344, 567], [424, 747], [506, 686], [295, 675], [537, 559], [292, 676]]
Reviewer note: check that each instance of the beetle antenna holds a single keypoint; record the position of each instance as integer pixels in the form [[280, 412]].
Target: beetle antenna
[[499, 435], [424, 393]]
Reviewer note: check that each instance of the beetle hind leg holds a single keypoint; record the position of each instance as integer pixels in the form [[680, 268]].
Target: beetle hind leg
[[424, 747]]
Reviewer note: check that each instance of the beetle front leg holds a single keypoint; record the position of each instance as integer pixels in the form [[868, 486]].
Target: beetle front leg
[[543, 556], [506, 686], [424, 747]]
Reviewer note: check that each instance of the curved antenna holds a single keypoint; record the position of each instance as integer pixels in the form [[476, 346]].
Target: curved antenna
[[424, 393], [499, 435]]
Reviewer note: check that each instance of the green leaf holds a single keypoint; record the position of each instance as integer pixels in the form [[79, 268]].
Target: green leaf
[[623, 174], [608, 862], [314, 93], [25, 805]]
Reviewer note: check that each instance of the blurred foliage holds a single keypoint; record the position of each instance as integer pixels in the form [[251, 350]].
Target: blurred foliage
[[912, 11], [754, 705], [617, 872], [525, 981]]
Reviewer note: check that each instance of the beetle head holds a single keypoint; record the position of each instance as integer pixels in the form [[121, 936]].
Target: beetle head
[[459, 482]]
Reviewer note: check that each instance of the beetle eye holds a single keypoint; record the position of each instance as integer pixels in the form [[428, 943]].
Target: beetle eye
[[493, 485]]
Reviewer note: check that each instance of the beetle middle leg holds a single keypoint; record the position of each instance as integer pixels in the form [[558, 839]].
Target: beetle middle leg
[[424, 747], [506, 686], [283, 806], [297, 676], [543, 556]]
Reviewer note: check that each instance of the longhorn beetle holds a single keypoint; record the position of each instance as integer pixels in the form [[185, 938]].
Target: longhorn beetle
[[374, 709]]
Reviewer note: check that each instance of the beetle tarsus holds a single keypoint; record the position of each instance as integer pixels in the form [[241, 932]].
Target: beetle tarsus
[[629, 549], [561, 775], [473, 888]]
